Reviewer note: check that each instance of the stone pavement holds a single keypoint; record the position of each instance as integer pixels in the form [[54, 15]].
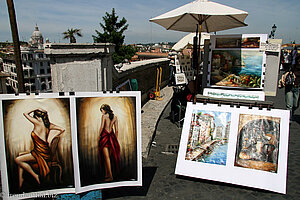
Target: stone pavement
[[151, 113], [160, 182]]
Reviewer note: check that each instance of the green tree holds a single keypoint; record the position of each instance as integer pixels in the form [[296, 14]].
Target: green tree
[[113, 33], [70, 34]]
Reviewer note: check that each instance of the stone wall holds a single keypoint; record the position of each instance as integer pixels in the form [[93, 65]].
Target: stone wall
[[89, 67], [145, 73], [80, 66]]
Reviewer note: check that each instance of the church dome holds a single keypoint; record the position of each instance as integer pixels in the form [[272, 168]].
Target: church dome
[[36, 32], [36, 38]]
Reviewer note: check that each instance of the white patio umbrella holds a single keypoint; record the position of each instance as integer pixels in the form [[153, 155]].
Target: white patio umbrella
[[210, 16], [202, 16], [188, 40]]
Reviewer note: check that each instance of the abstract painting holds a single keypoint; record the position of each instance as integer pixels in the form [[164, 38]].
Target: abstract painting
[[258, 142]]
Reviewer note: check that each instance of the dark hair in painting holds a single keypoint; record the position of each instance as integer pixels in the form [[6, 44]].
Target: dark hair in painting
[[43, 115], [108, 110]]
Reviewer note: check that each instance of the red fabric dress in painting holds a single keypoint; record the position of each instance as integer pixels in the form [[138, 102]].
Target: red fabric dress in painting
[[110, 141], [41, 152]]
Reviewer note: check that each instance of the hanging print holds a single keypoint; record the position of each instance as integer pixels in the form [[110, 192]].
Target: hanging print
[[38, 145]]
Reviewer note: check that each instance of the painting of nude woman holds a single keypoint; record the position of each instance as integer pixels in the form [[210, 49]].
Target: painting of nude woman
[[37, 137], [107, 139]]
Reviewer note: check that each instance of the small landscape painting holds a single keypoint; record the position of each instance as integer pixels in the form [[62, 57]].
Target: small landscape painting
[[236, 68]]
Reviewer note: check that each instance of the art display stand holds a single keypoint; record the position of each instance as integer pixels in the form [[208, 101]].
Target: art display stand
[[236, 141], [234, 102]]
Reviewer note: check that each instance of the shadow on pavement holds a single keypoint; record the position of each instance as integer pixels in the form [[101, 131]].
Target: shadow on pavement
[[296, 118], [223, 184], [148, 174]]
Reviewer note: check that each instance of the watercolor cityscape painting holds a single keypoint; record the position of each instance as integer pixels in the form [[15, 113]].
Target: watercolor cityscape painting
[[208, 137]]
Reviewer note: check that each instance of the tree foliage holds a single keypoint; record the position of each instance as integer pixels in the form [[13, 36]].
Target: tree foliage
[[71, 33], [113, 31]]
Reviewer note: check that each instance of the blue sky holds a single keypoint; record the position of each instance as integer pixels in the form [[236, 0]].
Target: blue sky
[[54, 17]]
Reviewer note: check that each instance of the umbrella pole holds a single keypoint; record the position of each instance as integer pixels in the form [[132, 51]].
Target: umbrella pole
[[198, 60]]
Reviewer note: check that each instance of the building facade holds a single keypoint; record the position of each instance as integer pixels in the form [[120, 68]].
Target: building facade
[[36, 66]]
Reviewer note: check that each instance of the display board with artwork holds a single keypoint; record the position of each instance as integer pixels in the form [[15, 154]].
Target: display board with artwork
[[54, 143], [235, 145], [237, 61]]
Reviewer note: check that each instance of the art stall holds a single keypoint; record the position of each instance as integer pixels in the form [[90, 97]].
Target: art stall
[[230, 133]]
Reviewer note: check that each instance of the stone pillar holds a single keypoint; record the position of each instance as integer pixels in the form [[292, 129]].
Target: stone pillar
[[80, 67]]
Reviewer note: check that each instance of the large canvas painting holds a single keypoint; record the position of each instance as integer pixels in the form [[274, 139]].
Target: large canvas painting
[[37, 144], [236, 61], [241, 146], [107, 152], [62, 143], [236, 68]]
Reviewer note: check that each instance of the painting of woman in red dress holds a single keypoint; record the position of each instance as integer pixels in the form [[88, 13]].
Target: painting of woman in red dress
[[41, 150], [108, 145], [107, 141]]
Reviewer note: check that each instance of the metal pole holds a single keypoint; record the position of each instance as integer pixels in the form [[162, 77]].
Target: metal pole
[[17, 52], [199, 61]]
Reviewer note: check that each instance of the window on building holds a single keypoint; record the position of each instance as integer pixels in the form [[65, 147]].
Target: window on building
[[40, 55], [48, 64], [30, 64], [44, 87], [31, 72], [27, 88], [25, 73], [30, 57], [43, 79], [42, 71], [48, 71], [41, 64]]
